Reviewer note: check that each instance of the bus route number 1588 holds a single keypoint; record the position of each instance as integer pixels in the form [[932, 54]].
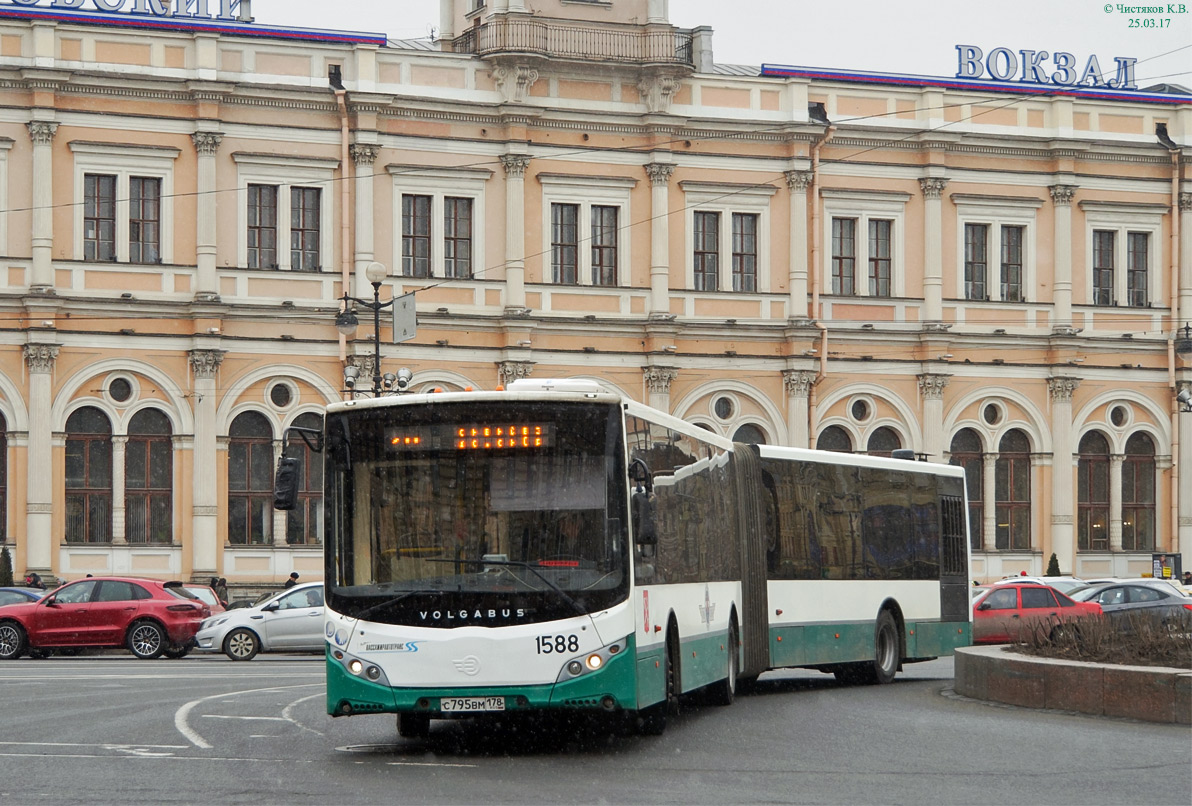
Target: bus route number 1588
[[557, 644]]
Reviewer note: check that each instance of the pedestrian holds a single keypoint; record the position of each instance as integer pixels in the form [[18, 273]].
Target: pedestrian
[[220, 587], [1188, 578], [33, 580], [293, 580]]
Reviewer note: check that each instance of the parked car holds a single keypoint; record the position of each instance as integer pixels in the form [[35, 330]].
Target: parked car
[[1061, 584], [20, 595], [148, 617], [1120, 599], [1008, 611], [290, 621], [206, 594]]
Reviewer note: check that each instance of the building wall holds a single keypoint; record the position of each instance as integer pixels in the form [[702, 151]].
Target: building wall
[[204, 338]]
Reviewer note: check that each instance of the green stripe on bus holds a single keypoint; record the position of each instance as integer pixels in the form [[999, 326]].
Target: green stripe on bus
[[817, 644]]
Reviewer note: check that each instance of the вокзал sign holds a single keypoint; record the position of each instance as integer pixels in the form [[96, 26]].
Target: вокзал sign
[[238, 10]]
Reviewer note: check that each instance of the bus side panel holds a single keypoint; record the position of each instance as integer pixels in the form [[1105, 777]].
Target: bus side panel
[[934, 639], [814, 644]]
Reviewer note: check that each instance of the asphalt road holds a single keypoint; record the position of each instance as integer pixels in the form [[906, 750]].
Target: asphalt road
[[110, 729]]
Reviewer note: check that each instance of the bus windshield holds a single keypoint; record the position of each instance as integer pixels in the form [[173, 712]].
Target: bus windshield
[[464, 514]]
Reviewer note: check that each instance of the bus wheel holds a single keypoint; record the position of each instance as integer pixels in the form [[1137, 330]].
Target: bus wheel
[[652, 720], [413, 726], [724, 691], [886, 650]]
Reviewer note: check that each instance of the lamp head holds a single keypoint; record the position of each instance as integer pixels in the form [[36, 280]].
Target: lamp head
[[376, 272], [346, 322], [351, 373], [404, 377], [1185, 400]]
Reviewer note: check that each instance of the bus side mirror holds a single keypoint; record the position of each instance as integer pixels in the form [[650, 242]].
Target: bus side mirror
[[642, 509], [285, 484]]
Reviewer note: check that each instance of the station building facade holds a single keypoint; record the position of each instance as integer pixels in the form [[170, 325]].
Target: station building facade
[[571, 189]]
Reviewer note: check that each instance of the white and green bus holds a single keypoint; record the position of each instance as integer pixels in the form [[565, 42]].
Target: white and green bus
[[556, 546]]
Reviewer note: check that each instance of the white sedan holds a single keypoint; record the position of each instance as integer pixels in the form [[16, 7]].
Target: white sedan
[[290, 621]]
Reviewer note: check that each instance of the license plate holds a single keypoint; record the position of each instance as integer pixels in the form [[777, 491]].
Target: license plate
[[460, 704]]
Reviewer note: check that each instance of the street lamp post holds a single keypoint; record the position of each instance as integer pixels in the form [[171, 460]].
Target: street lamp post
[[346, 323]]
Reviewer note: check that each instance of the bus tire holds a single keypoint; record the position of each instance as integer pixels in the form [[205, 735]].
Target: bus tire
[[413, 726], [652, 721], [887, 650], [724, 691]]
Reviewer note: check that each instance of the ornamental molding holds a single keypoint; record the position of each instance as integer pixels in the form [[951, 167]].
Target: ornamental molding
[[932, 186], [207, 143], [205, 363], [659, 379], [41, 357], [1186, 202], [509, 371], [42, 131], [365, 362], [657, 92], [515, 165], [659, 173], [515, 81], [798, 382], [932, 385], [364, 154], [1061, 389], [798, 180], [1062, 195]]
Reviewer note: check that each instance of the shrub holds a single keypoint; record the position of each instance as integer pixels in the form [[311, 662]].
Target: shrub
[[5, 568], [1053, 566], [1137, 639]]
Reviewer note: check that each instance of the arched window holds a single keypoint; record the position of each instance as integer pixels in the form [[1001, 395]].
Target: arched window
[[149, 478], [304, 523], [834, 438], [750, 435], [1012, 488], [3, 479], [1138, 494], [250, 480], [966, 453], [1092, 493], [883, 442], [88, 477]]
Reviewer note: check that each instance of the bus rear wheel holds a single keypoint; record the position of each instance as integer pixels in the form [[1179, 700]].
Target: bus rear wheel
[[413, 726], [725, 691], [886, 657]]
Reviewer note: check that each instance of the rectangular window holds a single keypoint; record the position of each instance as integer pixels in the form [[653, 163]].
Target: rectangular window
[[305, 226], [879, 257], [262, 226], [144, 219], [707, 251], [457, 237], [604, 245], [1103, 243], [99, 217], [1012, 263], [744, 252], [976, 239], [415, 236], [1137, 249], [564, 243], [844, 256]]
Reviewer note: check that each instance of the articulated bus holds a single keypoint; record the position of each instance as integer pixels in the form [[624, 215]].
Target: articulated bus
[[556, 546]]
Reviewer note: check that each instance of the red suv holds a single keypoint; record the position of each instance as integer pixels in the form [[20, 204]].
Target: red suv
[[148, 617]]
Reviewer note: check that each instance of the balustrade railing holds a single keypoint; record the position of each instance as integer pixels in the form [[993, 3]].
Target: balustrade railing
[[552, 40]]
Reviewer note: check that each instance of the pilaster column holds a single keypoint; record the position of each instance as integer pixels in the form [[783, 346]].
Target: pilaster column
[[931, 389], [933, 262], [1063, 537], [1061, 198], [798, 182], [658, 384], [205, 542], [119, 500], [39, 491], [279, 516], [42, 276], [1116, 460], [207, 281], [659, 174], [797, 383], [656, 12], [515, 230], [509, 371], [365, 157], [1184, 463], [989, 501], [1185, 262]]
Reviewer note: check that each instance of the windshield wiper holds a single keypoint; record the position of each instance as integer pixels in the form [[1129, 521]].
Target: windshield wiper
[[396, 599], [519, 564]]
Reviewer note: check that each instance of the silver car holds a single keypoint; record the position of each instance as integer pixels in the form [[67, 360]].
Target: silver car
[[290, 621], [1150, 596]]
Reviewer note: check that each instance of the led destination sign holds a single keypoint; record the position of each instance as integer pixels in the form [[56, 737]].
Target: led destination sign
[[472, 437]]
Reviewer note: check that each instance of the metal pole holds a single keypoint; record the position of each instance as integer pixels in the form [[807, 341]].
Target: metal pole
[[376, 339]]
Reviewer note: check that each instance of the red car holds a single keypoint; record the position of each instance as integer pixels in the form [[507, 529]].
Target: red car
[[148, 617], [1007, 611]]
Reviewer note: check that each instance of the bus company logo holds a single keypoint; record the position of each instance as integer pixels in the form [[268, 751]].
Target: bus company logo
[[491, 614], [400, 646], [339, 636], [469, 665]]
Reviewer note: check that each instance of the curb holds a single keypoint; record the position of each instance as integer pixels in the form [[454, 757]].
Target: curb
[[1148, 693]]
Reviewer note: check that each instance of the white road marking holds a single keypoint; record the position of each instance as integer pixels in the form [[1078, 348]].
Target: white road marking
[[182, 714], [288, 713], [105, 745], [238, 716]]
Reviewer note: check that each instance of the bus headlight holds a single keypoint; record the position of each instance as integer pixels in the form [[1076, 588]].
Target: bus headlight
[[592, 662], [595, 662], [355, 666], [575, 667]]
